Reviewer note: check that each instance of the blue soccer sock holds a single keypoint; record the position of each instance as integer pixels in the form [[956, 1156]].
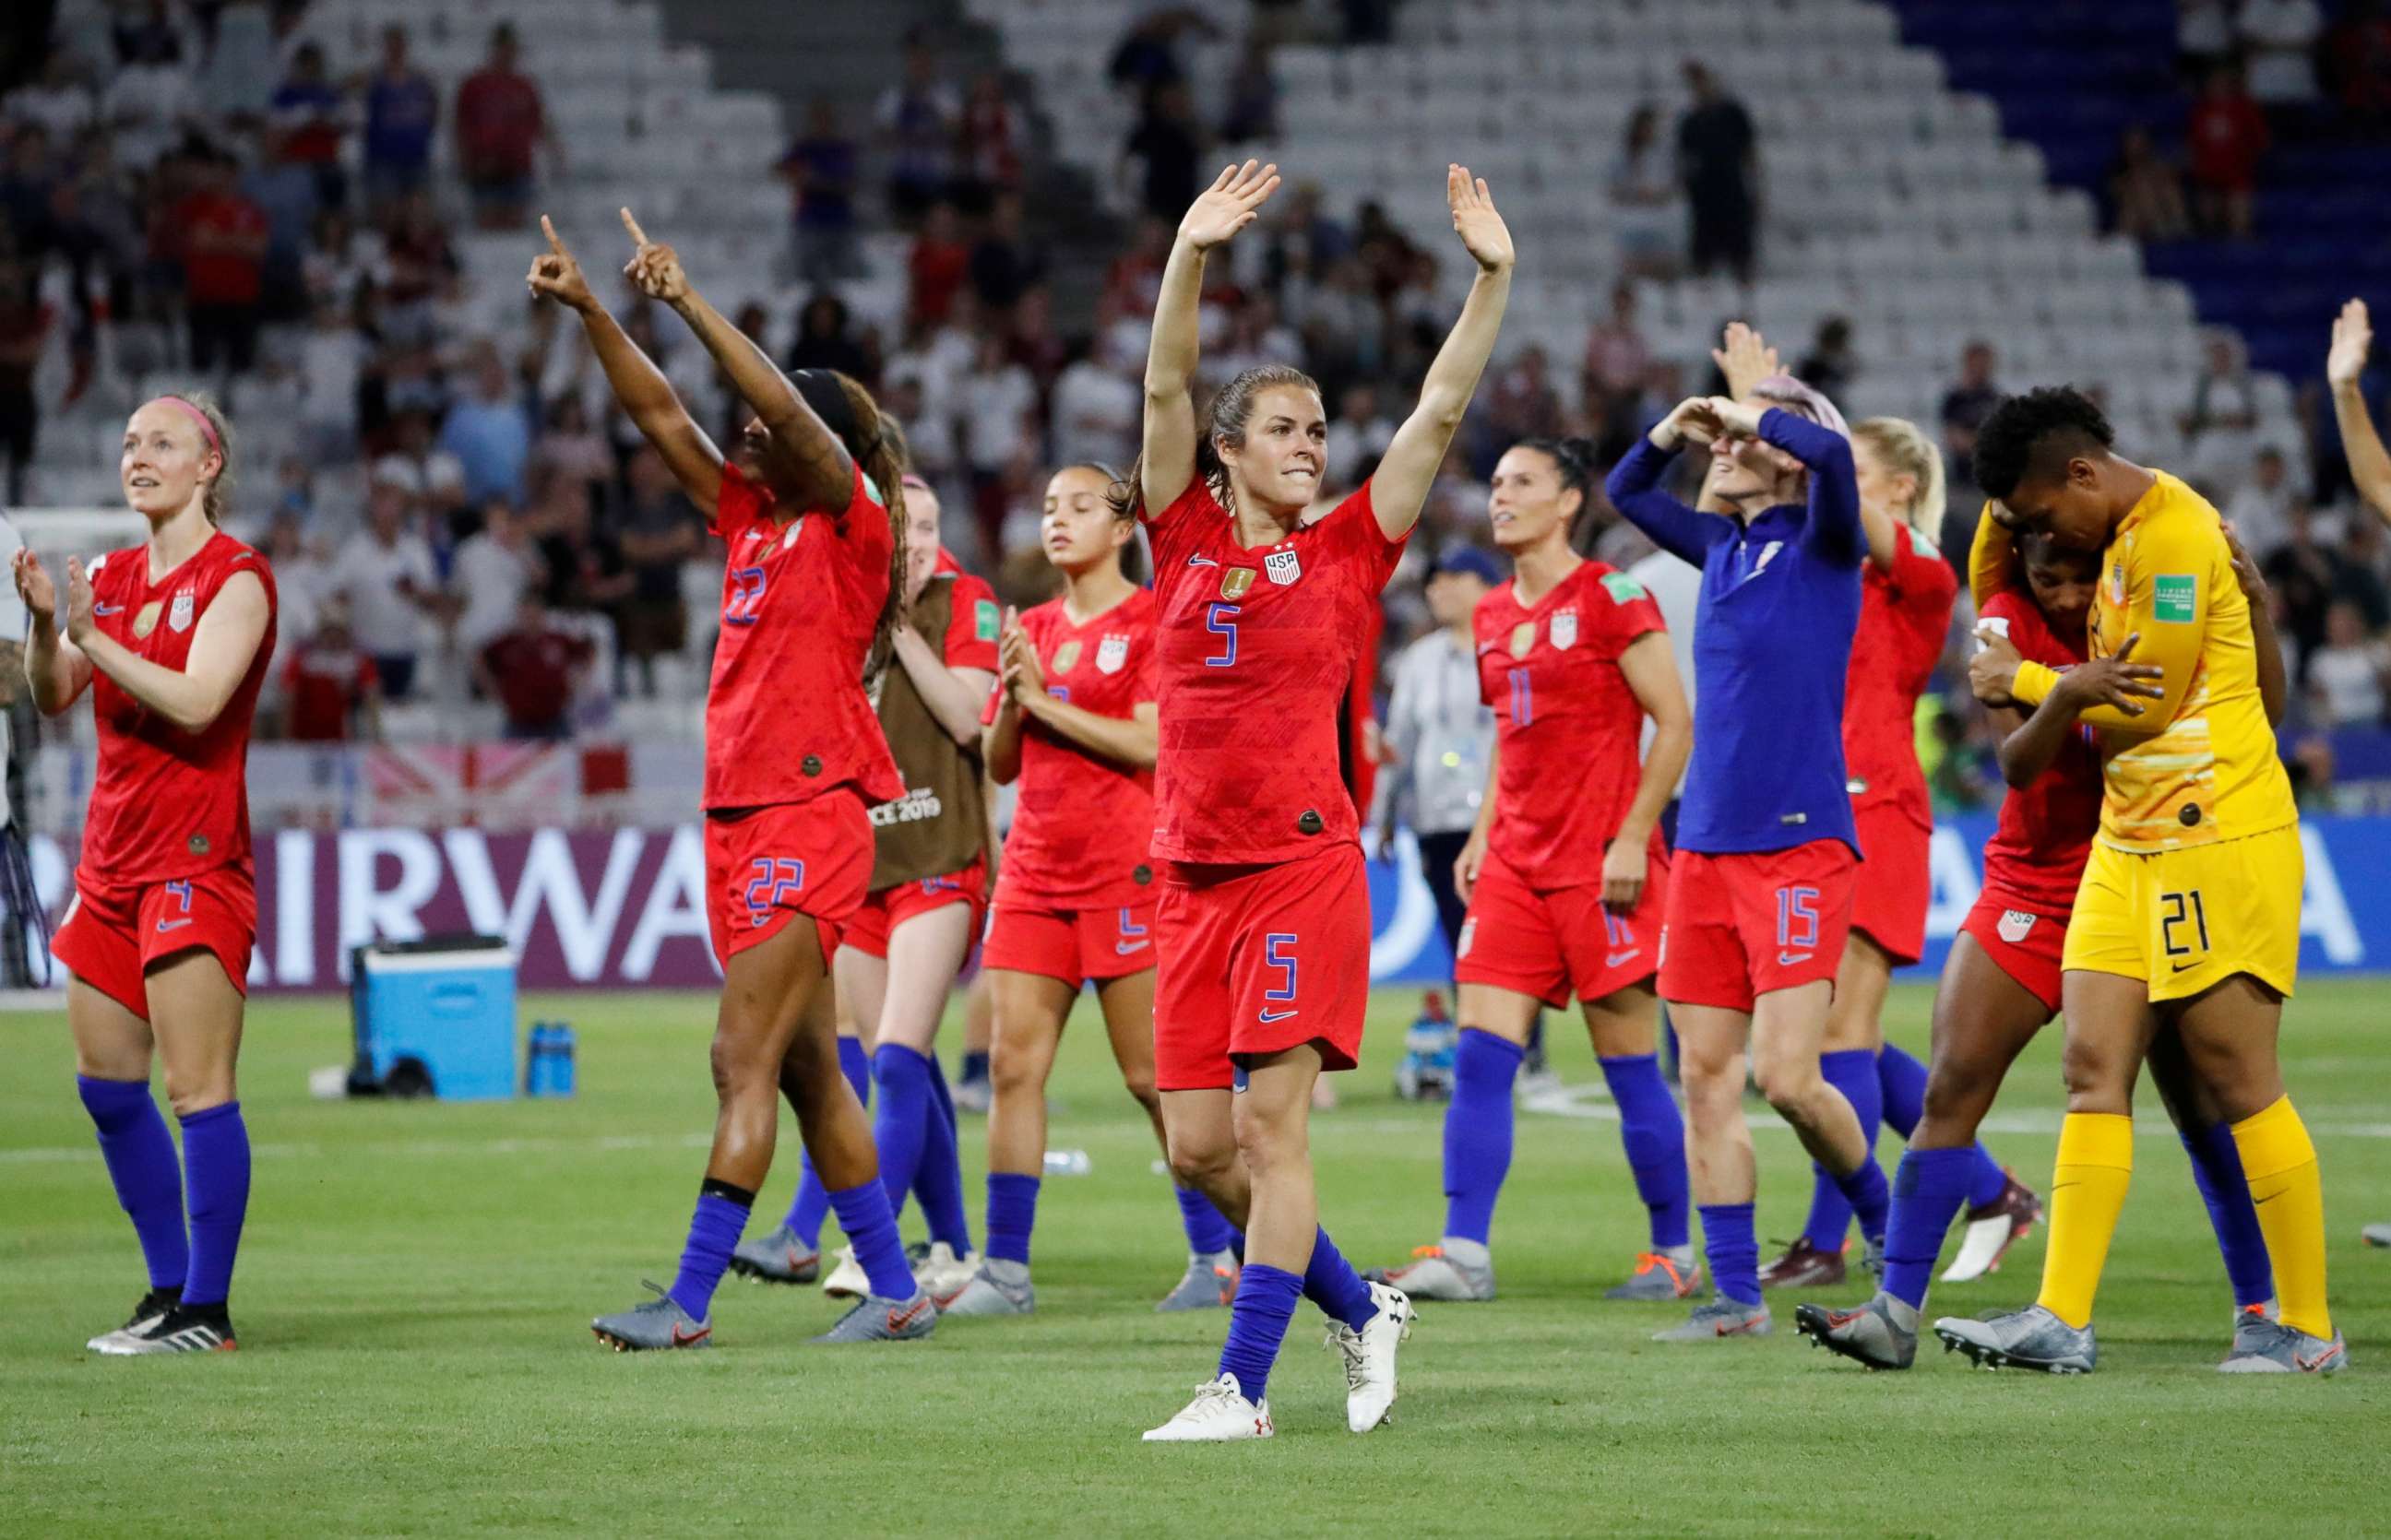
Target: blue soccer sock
[[1870, 1198], [1734, 1252], [1330, 1282], [1478, 1132], [900, 1124], [145, 1171], [869, 1221], [1853, 1071], [1654, 1137], [1901, 1080], [1208, 1233], [812, 1201], [1258, 1321], [2217, 1169], [1012, 1213], [975, 1066], [1929, 1188], [939, 1183], [714, 1229], [215, 1188]]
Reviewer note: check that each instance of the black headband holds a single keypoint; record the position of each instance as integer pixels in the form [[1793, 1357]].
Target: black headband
[[822, 391]]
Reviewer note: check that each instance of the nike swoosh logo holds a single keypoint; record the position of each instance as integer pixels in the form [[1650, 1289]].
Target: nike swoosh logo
[[108, 610], [1787, 959], [1123, 948], [1275, 1015], [2183, 967], [1621, 959], [166, 925], [2257, 1201], [1201, 562], [682, 1339], [899, 1319]]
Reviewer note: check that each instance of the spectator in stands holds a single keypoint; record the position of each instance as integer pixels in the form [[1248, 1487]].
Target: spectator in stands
[[1363, 429], [224, 237], [918, 118], [1967, 402], [1163, 152], [501, 124], [1147, 55], [2227, 134], [658, 534], [1616, 354], [1096, 410], [533, 670], [1644, 195], [2220, 422], [146, 33], [988, 146], [1252, 113], [333, 358], [58, 100], [583, 564], [24, 328], [331, 690], [402, 116], [1832, 364], [2278, 40], [310, 118], [1520, 402], [1005, 261], [823, 168], [2145, 190], [826, 339], [1000, 414], [2261, 510], [2357, 61], [2204, 36], [2312, 575], [1718, 160], [570, 446], [150, 103], [385, 572], [431, 473], [940, 265], [2346, 677], [491, 569], [490, 430]]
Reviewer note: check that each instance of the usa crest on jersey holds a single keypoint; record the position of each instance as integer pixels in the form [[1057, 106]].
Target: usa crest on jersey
[[185, 610], [1564, 628], [2016, 925], [1111, 653], [1282, 567]]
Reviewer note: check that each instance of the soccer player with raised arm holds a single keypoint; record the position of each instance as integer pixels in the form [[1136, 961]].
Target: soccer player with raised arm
[[809, 507], [1566, 874], [1263, 921], [2002, 979], [2188, 916], [1759, 890]]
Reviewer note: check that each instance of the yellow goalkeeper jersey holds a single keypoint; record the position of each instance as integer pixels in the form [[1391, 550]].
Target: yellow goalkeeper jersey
[[2199, 765]]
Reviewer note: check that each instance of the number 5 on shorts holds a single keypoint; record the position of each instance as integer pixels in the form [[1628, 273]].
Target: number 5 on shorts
[[1278, 948], [2179, 909]]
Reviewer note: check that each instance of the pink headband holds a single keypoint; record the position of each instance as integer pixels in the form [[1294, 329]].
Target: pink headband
[[207, 428]]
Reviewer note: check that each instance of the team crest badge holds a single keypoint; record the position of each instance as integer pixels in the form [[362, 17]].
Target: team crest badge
[[1112, 654], [1236, 582], [1565, 629], [179, 618], [1523, 637], [147, 620], [2117, 582], [1066, 657], [1284, 567], [2016, 925]]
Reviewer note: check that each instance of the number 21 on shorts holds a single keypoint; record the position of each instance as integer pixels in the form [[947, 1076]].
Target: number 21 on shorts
[[2183, 926]]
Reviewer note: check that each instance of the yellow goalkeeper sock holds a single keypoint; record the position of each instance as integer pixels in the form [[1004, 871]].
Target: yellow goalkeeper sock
[[2279, 1163], [2088, 1191]]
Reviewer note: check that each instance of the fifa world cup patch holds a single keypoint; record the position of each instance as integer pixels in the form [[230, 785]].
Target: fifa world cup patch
[[985, 619], [2175, 599], [1112, 654], [1236, 583], [1564, 628], [1284, 567], [1622, 588], [2015, 925], [145, 620], [1066, 657]]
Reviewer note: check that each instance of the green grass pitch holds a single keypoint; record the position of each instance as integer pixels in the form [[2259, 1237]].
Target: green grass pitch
[[416, 1281]]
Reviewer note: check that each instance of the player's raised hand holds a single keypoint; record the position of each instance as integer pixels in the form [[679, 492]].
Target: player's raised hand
[[1693, 420], [1233, 201], [555, 275], [1481, 229], [654, 270], [1737, 419], [2115, 680], [2353, 334], [80, 619], [34, 583], [1745, 358]]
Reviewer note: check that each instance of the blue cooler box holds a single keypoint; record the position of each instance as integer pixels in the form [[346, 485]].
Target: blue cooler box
[[436, 1017]]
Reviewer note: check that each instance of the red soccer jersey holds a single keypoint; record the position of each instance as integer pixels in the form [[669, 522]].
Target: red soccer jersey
[[1257, 648], [786, 718], [972, 620], [167, 804], [1083, 823], [1903, 616], [2045, 829], [325, 687], [1567, 728]]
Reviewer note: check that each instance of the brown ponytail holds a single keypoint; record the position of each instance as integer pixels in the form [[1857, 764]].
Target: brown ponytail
[[877, 445]]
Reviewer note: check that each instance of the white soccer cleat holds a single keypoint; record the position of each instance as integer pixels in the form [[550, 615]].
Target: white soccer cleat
[[1991, 1230], [1370, 1357], [941, 1272], [1220, 1414], [848, 1280]]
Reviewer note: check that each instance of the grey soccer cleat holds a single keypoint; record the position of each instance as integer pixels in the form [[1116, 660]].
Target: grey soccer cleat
[[2028, 1339], [877, 1318], [2377, 1235], [1873, 1333], [1435, 1272], [1872, 1260], [660, 1323], [777, 1256], [154, 1307], [1659, 1277], [1720, 1317], [987, 1294], [2251, 1331], [2270, 1347], [1208, 1283]]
